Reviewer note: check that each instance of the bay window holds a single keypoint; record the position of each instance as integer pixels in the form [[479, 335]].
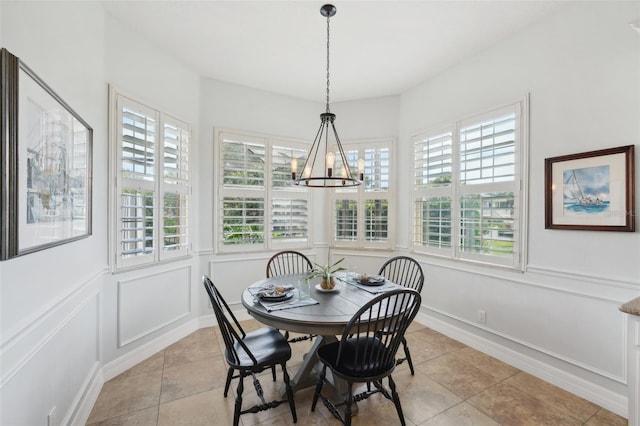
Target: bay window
[[469, 189], [151, 187], [363, 214], [259, 208]]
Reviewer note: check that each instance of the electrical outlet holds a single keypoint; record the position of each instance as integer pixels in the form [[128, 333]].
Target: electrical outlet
[[482, 317], [51, 417]]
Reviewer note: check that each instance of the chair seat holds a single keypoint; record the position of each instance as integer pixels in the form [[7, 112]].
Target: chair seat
[[353, 366], [266, 344]]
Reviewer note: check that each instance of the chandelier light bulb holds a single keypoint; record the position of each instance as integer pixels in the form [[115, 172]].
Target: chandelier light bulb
[[331, 160], [294, 168]]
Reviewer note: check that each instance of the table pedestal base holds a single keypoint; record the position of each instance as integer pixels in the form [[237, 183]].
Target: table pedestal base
[[309, 371]]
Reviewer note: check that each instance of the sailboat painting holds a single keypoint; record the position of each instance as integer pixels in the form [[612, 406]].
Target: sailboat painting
[[591, 191], [586, 191]]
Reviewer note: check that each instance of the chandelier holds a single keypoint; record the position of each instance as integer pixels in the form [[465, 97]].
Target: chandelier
[[319, 169]]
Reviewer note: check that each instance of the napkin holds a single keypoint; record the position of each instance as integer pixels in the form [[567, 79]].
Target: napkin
[[294, 302], [387, 286], [288, 304]]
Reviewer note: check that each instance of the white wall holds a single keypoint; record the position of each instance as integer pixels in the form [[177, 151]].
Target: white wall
[[230, 106], [141, 306], [50, 300], [65, 297], [581, 68]]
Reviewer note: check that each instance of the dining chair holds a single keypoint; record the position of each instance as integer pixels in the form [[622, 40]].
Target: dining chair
[[407, 272], [250, 353], [364, 354], [288, 262]]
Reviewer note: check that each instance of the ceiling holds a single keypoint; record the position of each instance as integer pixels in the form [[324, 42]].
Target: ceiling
[[377, 48]]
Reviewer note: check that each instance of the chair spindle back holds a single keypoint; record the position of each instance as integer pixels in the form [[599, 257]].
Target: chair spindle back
[[404, 271], [288, 262], [232, 333], [363, 347]]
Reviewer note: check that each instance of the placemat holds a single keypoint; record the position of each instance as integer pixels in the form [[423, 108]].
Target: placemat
[[294, 302]]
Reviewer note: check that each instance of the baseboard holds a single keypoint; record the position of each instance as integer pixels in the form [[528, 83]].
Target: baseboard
[[128, 360], [123, 363], [84, 406], [590, 391]]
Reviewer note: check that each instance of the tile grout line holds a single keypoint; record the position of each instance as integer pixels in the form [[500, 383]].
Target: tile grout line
[[164, 362]]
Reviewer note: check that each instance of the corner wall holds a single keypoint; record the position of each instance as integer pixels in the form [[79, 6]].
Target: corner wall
[[560, 318]]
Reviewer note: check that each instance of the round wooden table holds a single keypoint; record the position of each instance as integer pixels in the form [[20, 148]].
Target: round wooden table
[[326, 319]]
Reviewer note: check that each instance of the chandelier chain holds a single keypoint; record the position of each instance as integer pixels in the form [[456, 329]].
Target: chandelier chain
[[328, 65]]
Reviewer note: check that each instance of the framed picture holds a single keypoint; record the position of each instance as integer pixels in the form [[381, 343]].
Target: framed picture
[[591, 191], [46, 164]]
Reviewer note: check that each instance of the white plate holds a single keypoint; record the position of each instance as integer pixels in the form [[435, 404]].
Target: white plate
[[325, 290], [373, 280], [277, 298]]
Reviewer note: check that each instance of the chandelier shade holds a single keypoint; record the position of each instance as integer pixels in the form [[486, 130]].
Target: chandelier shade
[[324, 167]]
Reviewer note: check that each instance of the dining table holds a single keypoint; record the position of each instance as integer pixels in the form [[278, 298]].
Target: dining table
[[320, 312]]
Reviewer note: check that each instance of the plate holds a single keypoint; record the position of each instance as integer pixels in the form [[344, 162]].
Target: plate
[[325, 290], [373, 280], [276, 297]]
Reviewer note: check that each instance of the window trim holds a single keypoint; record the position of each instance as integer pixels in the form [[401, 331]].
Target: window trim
[[518, 260], [267, 192], [158, 186]]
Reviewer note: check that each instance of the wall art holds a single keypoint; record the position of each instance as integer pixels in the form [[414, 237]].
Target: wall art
[[46, 164], [591, 191]]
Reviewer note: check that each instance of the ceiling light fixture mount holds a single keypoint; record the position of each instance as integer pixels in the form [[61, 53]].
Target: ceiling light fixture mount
[[324, 173]]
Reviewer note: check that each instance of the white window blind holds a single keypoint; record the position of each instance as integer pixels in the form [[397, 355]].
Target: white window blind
[[243, 162], [152, 183], [468, 188], [433, 160], [289, 219], [346, 221], [260, 208], [176, 187], [362, 214], [243, 220]]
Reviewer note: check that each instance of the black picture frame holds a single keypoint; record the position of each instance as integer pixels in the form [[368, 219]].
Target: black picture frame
[[591, 191], [45, 164]]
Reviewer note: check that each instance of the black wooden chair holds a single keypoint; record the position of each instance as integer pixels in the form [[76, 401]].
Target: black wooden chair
[[285, 263], [250, 353], [364, 354], [406, 272], [288, 262]]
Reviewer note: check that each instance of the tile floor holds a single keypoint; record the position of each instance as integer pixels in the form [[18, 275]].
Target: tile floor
[[453, 385]]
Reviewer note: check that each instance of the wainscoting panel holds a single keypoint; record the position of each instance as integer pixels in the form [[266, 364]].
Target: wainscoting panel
[[148, 303], [50, 378], [585, 330]]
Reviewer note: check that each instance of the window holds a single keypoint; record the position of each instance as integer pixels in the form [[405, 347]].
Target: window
[[150, 162], [469, 190], [260, 209], [362, 214]]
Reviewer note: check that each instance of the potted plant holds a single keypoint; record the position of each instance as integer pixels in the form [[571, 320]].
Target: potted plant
[[326, 273]]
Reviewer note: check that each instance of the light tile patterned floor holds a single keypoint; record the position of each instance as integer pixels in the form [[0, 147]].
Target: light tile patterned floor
[[453, 385]]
